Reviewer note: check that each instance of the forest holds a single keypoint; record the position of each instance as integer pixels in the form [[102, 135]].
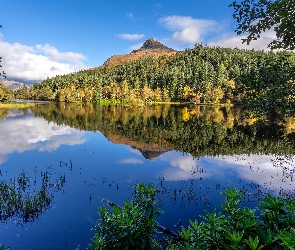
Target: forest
[[212, 75]]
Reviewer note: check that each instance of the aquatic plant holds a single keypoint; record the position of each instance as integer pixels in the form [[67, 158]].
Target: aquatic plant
[[20, 198]]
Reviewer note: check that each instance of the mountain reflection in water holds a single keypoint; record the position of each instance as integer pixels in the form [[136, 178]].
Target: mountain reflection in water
[[189, 153]]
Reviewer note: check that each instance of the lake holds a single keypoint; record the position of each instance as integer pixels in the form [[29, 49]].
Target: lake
[[59, 161]]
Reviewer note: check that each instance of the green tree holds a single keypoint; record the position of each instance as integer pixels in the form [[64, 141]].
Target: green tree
[[6, 94], [125, 89], [2, 74], [255, 16], [23, 92]]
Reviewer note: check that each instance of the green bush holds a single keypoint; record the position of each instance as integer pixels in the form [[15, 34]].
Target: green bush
[[129, 227], [6, 94], [235, 227]]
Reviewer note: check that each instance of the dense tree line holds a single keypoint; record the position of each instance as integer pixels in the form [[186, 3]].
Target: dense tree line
[[202, 75]]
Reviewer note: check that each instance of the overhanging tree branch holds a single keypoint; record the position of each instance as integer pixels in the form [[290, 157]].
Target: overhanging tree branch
[[2, 74], [256, 16]]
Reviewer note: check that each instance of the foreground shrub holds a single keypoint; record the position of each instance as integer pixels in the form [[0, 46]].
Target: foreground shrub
[[235, 227], [129, 227]]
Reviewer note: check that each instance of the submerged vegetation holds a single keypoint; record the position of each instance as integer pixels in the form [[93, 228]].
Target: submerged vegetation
[[133, 226], [24, 199]]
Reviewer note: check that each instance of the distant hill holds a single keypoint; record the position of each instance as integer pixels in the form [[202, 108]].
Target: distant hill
[[151, 47], [11, 84]]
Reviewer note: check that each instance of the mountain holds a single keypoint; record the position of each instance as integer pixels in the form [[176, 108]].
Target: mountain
[[151, 47]]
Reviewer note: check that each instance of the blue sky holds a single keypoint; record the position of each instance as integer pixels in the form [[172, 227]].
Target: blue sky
[[41, 39]]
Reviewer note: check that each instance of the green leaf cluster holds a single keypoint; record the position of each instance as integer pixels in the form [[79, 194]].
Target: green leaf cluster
[[6, 95], [254, 17], [234, 227], [129, 227]]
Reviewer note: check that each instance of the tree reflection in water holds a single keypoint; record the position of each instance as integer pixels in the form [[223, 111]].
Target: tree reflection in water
[[197, 130]]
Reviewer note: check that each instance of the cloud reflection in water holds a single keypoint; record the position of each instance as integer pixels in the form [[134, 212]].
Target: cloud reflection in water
[[130, 161], [269, 171], [30, 133]]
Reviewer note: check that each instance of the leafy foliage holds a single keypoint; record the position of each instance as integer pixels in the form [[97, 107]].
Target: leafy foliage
[[271, 87], [256, 16], [234, 227], [6, 94], [130, 226]]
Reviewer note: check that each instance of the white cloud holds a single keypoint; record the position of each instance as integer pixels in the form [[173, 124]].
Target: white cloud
[[130, 16], [11, 84], [188, 30], [54, 54], [36, 63], [136, 46], [135, 151], [184, 167], [131, 161], [131, 37], [186, 163], [232, 40], [266, 170]]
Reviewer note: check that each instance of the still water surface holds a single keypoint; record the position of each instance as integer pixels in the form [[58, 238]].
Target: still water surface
[[88, 152]]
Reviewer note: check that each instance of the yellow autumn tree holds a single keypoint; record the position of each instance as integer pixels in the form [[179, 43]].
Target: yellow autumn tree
[[124, 89], [147, 94], [158, 94], [185, 114], [186, 92]]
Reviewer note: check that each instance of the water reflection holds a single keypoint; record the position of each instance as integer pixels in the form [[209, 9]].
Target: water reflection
[[26, 197], [271, 173], [190, 154], [243, 147], [155, 130], [130, 161], [19, 134]]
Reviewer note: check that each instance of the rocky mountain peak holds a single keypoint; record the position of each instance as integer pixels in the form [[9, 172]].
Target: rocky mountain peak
[[153, 45], [151, 48]]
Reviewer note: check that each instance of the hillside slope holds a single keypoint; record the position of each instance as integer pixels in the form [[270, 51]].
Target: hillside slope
[[151, 47]]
